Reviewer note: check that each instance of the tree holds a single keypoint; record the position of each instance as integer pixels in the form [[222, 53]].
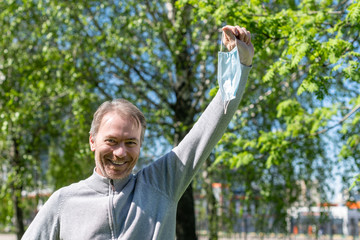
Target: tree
[[67, 56], [279, 138], [112, 49], [44, 103]]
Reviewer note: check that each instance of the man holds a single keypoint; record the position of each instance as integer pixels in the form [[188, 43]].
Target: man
[[115, 204]]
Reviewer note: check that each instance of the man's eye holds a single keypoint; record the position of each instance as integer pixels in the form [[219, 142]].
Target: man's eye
[[111, 141], [131, 143]]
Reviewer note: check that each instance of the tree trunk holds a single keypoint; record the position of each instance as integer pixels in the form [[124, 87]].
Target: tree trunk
[[17, 187], [185, 217], [184, 114], [212, 213], [212, 216], [19, 217]]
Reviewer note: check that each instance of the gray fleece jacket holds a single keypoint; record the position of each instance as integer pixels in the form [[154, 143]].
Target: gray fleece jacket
[[142, 206]]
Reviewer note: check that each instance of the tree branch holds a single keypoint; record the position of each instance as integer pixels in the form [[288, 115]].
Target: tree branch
[[141, 93], [339, 122]]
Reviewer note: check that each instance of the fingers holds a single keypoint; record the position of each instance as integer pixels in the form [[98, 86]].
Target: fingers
[[229, 32], [243, 34], [235, 36], [229, 37], [236, 32]]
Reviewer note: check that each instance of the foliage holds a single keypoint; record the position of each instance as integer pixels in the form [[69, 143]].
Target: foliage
[[62, 58], [44, 103], [280, 137]]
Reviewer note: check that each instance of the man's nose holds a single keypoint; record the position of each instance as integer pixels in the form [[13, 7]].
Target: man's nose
[[119, 150]]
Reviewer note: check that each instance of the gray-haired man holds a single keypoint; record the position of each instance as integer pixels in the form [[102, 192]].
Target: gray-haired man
[[115, 204]]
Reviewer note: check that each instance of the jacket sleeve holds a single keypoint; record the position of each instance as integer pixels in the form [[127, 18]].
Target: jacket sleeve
[[174, 171], [45, 225]]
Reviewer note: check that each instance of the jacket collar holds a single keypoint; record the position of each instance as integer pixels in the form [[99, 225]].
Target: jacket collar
[[104, 185]]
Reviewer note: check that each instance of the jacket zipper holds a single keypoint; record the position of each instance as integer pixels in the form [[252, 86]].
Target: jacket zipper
[[111, 217]]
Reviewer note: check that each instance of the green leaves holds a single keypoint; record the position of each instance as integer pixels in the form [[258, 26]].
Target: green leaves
[[42, 94], [303, 86], [289, 108], [354, 13], [61, 59]]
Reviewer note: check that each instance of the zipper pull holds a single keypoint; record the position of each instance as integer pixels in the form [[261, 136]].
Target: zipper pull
[[112, 185]]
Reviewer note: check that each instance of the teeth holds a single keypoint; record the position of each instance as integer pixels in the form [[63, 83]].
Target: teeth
[[121, 163], [117, 163]]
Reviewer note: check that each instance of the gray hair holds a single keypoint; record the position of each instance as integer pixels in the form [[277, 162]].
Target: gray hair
[[124, 108]]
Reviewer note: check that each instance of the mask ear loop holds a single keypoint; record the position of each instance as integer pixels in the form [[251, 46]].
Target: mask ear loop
[[221, 41], [226, 103]]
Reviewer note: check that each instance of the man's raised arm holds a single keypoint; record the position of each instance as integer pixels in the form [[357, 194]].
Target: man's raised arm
[[208, 130]]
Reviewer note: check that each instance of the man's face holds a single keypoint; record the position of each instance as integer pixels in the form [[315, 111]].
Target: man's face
[[116, 146]]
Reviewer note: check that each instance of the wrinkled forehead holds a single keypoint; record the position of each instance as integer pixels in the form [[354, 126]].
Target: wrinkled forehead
[[123, 115]]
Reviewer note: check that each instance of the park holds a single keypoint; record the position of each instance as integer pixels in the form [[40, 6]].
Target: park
[[287, 166]]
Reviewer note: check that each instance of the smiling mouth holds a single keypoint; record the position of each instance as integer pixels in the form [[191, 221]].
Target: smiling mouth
[[119, 164]]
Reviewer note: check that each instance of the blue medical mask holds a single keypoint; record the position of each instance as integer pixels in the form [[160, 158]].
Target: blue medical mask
[[229, 72]]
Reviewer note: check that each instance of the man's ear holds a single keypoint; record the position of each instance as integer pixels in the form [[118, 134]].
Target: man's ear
[[92, 143]]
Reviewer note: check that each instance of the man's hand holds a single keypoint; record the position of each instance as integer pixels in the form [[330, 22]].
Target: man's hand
[[240, 37]]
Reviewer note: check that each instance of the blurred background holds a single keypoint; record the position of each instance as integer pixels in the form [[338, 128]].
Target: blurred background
[[286, 168]]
